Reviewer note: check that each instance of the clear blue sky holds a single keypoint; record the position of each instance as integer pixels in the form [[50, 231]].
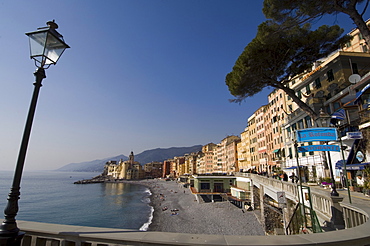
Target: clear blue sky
[[140, 74]]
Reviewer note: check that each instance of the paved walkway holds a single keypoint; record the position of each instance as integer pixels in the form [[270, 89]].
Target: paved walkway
[[356, 197]]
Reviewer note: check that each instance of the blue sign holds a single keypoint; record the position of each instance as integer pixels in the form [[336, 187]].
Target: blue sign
[[317, 134], [354, 135], [318, 148]]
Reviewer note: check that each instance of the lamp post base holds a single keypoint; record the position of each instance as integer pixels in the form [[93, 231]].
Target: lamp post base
[[334, 193]]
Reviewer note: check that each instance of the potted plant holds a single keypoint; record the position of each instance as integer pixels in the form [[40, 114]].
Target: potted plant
[[326, 182]]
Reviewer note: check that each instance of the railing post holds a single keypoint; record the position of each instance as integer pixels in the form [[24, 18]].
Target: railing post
[[337, 212], [262, 206]]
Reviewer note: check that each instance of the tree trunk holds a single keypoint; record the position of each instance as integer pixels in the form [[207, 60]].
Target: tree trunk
[[362, 27], [357, 19], [298, 101]]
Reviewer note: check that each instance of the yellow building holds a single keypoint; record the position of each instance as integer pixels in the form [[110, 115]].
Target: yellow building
[[244, 159]]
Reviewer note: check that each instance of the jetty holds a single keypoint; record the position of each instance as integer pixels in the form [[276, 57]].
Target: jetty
[[97, 179]]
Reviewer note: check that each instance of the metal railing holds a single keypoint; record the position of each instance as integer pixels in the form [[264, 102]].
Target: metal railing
[[300, 223]]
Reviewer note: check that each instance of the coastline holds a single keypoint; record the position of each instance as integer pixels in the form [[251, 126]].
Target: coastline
[[146, 225], [177, 210]]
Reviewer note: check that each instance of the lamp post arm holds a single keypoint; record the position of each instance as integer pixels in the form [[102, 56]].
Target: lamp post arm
[[9, 225]]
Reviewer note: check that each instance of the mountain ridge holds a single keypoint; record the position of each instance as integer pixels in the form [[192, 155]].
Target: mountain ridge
[[157, 155]]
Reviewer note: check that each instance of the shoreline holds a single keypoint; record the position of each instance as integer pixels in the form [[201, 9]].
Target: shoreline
[[176, 209]]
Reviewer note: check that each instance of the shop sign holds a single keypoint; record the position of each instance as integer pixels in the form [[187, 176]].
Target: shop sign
[[310, 148], [317, 134]]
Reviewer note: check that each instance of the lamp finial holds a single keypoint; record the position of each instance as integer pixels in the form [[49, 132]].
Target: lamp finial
[[52, 24]]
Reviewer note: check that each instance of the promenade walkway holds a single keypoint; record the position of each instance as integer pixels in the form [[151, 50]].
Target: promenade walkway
[[56, 234]]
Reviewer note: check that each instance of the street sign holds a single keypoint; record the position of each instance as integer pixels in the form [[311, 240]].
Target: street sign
[[317, 134], [310, 148], [281, 199], [354, 135]]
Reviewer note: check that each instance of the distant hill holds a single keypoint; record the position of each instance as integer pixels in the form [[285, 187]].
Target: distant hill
[[90, 166], [144, 157]]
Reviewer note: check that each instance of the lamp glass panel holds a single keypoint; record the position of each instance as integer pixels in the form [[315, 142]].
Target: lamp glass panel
[[53, 49], [37, 44]]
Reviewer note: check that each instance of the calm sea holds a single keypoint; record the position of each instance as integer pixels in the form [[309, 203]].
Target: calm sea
[[52, 197]]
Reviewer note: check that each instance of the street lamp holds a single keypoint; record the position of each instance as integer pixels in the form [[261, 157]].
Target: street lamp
[[324, 120], [46, 46]]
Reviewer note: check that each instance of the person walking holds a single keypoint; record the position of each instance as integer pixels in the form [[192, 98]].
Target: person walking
[[292, 177], [285, 176]]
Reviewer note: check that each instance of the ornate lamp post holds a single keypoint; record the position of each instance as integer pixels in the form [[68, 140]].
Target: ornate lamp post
[[46, 46], [324, 120]]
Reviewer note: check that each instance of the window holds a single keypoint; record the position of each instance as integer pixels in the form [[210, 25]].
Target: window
[[308, 90], [308, 121], [290, 153], [311, 152], [317, 83], [294, 127], [354, 68], [328, 109], [300, 124], [336, 105], [348, 44], [299, 94], [364, 48], [205, 186], [330, 75], [288, 132]]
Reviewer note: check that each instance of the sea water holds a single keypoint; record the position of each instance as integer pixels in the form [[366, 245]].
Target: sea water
[[51, 197]]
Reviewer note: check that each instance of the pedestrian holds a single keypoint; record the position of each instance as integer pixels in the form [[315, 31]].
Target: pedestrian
[[285, 176], [292, 177]]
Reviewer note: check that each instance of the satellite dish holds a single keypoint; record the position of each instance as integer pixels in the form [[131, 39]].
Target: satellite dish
[[354, 78]]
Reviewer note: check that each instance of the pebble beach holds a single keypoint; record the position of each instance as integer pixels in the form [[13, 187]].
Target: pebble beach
[[177, 210]]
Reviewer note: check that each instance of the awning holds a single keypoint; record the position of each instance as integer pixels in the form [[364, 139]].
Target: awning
[[359, 94], [339, 115], [293, 167], [276, 151], [358, 166]]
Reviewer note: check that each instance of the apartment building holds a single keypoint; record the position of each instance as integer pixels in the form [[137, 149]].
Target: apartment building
[[191, 163], [275, 114], [209, 158], [261, 138], [153, 169], [253, 145], [224, 152], [244, 158], [232, 156]]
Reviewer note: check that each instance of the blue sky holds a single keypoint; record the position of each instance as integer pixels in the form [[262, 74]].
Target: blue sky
[[139, 75]]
